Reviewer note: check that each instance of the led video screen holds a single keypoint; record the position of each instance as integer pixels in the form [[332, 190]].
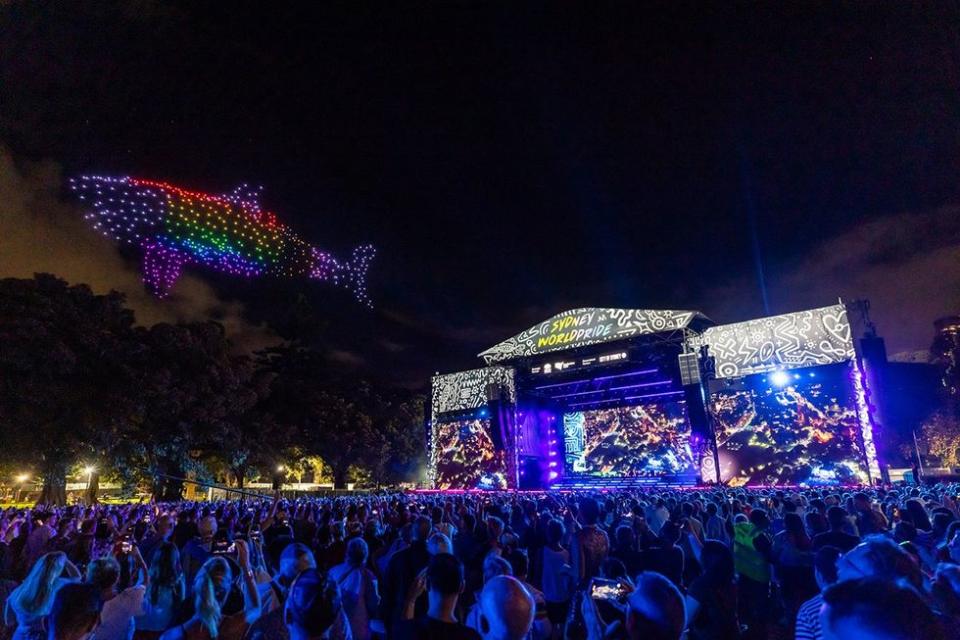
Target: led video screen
[[789, 428], [464, 456], [640, 440]]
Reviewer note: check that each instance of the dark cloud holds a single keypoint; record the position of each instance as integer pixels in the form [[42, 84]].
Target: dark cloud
[[907, 265], [347, 358], [41, 232]]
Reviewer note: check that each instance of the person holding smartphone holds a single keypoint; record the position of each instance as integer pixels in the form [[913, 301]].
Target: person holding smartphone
[[162, 531], [119, 607]]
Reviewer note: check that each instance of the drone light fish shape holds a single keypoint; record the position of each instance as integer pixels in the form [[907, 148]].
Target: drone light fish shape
[[230, 233]]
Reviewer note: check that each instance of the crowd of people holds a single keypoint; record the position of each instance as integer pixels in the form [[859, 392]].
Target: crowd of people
[[655, 564]]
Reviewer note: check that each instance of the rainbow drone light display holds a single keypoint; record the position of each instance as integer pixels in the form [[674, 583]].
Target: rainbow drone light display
[[230, 233]]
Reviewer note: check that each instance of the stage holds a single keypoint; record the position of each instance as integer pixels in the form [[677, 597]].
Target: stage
[[599, 397]]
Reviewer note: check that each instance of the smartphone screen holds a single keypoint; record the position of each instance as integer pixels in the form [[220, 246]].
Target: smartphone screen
[[223, 548], [608, 590]]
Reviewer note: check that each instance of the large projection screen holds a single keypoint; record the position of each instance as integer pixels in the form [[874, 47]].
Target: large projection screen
[[463, 456], [628, 441], [795, 427]]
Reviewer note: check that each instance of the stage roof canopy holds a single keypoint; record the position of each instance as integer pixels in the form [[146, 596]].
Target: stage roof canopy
[[590, 325]]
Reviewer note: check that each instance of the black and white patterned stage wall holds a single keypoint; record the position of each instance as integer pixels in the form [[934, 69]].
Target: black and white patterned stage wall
[[467, 390], [794, 340], [467, 450], [586, 326]]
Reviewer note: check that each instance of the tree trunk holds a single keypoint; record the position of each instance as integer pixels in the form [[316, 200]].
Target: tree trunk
[[340, 477], [54, 483], [240, 475], [93, 488], [168, 488], [172, 490]]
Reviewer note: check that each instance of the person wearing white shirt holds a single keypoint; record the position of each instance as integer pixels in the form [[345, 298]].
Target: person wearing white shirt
[[119, 607]]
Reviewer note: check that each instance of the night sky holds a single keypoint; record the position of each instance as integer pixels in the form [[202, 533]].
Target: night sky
[[511, 160]]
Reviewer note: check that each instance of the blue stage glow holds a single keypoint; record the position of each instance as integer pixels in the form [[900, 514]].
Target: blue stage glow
[[780, 378]]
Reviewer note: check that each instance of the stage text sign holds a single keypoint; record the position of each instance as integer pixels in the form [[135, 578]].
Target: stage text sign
[[586, 326]]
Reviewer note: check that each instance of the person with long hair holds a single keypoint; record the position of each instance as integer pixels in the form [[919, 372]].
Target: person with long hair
[[31, 601], [220, 611], [793, 563], [120, 605], [915, 513], [711, 602], [167, 591], [74, 613]]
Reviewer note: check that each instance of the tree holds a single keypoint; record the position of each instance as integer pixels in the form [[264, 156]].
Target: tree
[[80, 385], [347, 422], [398, 444], [942, 433], [193, 392], [257, 438], [65, 377]]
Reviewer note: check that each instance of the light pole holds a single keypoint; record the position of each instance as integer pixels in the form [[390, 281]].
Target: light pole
[[89, 469], [22, 478]]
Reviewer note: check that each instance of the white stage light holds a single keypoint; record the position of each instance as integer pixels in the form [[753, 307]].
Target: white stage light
[[780, 378]]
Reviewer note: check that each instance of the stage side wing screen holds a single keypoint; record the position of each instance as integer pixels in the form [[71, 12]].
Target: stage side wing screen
[[466, 390], [790, 341]]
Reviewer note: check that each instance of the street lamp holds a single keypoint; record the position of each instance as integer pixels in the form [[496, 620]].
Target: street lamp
[[89, 469], [21, 478]]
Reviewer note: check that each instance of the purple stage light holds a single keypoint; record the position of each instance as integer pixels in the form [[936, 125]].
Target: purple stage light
[[595, 402], [611, 377], [578, 393], [625, 375], [865, 417], [654, 395], [560, 384], [642, 384], [630, 386], [649, 395]]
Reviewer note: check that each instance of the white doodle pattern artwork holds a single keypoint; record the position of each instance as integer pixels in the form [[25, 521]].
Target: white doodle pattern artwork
[[586, 326], [802, 339], [466, 390]]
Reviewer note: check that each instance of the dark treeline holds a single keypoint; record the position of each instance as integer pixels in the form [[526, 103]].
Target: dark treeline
[[81, 382]]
